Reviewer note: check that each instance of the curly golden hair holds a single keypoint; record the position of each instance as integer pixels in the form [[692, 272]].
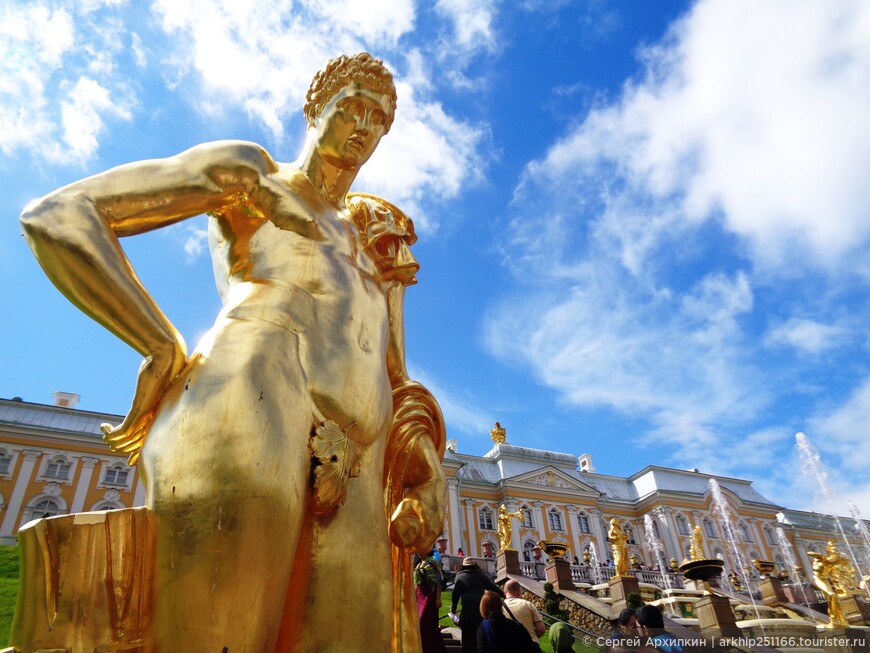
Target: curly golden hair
[[361, 68]]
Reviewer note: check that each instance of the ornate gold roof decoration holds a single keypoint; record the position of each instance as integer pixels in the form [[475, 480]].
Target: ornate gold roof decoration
[[498, 434]]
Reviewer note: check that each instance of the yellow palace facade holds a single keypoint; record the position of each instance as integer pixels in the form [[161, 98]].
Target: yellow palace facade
[[53, 461]]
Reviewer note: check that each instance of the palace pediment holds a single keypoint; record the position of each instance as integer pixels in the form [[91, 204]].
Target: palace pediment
[[552, 478]]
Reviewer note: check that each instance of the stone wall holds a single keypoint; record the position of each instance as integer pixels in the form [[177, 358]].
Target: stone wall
[[577, 614]]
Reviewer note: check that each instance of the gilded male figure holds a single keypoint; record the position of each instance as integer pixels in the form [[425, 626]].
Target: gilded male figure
[[618, 539], [292, 438]]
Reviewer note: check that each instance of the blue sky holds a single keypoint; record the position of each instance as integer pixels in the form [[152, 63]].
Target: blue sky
[[644, 226]]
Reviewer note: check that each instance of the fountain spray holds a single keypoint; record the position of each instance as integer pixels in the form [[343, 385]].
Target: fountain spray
[[813, 464]]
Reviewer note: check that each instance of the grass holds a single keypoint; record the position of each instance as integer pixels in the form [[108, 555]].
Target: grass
[[544, 641], [8, 588]]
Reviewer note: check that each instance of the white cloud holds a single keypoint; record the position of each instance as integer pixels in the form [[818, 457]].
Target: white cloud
[[807, 335], [460, 414], [665, 225], [748, 118], [844, 431], [616, 344], [471, 22], [82, 117], [436, 153], [58, 78]]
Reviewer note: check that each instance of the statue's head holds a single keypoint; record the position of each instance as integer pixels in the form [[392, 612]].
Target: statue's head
[[361, 69]]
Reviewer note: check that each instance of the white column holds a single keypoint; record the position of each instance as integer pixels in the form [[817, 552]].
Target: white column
[[139, 494], [13, 508], [471, 523], [455, 518], [515, 525], [668, 524], [543, 519], [601, 543], [574, 525], [84, 483]]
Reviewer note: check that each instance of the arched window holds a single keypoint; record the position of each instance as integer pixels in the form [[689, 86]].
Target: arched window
[[107, 505], [709, 531], [45, 508], [527, 517], [656, 532], [682, 525], [770, 536], [555, 519], [5, 462], [746, 533], [583, 523], [629, 532], [58, 469], [484, 519], [116, 475]]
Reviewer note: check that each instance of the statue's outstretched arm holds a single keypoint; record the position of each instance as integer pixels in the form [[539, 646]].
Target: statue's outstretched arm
[[74, 232]]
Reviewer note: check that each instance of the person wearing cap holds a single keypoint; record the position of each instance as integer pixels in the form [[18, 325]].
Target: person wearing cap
[[470, 584]]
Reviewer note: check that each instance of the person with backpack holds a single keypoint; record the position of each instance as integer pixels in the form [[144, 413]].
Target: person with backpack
[[498, 633]]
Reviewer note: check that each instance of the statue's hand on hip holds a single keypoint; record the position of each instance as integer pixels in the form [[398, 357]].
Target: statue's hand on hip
[[156, 374]]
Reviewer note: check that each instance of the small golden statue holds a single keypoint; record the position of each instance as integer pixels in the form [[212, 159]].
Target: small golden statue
[[498, 434], [835, 577], [294, 421], [618, 539], [696, 546], [504, 526]]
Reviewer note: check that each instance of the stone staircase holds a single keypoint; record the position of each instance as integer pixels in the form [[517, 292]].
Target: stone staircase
[[451, 639]]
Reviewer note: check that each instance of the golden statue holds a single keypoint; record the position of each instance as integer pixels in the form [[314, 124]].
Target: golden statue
[[293, 435], [618, 539], [835, 577], [504, 526], [498, 434], [696, 546]]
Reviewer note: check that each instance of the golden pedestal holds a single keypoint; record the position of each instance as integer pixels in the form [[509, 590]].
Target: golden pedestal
[[89, 580]]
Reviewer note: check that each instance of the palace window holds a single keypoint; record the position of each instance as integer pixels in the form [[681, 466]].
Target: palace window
[[630, 534], [527, 518], [58, 469], [116, 475], [484, 519], [682, 525], [709, 531], [771, 538], [5, 462], [555, 518], [746, 533], [45, 508], [583, 523]]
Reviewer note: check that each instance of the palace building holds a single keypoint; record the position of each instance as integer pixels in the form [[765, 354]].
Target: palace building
[[53, 461]]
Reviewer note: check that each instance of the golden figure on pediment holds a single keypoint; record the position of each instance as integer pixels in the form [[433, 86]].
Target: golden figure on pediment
[[498, 434]]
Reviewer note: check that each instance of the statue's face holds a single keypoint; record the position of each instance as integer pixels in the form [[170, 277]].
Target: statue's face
[[351, 125]]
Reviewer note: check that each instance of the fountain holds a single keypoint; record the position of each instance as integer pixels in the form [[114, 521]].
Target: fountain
[[812, 463], [737, 561], [596, 565], [853, 603], [655, 547], [794, 573], [715, 618], [861, 527]]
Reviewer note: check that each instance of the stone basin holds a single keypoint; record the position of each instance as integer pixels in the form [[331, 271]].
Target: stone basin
[[702, 570]]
